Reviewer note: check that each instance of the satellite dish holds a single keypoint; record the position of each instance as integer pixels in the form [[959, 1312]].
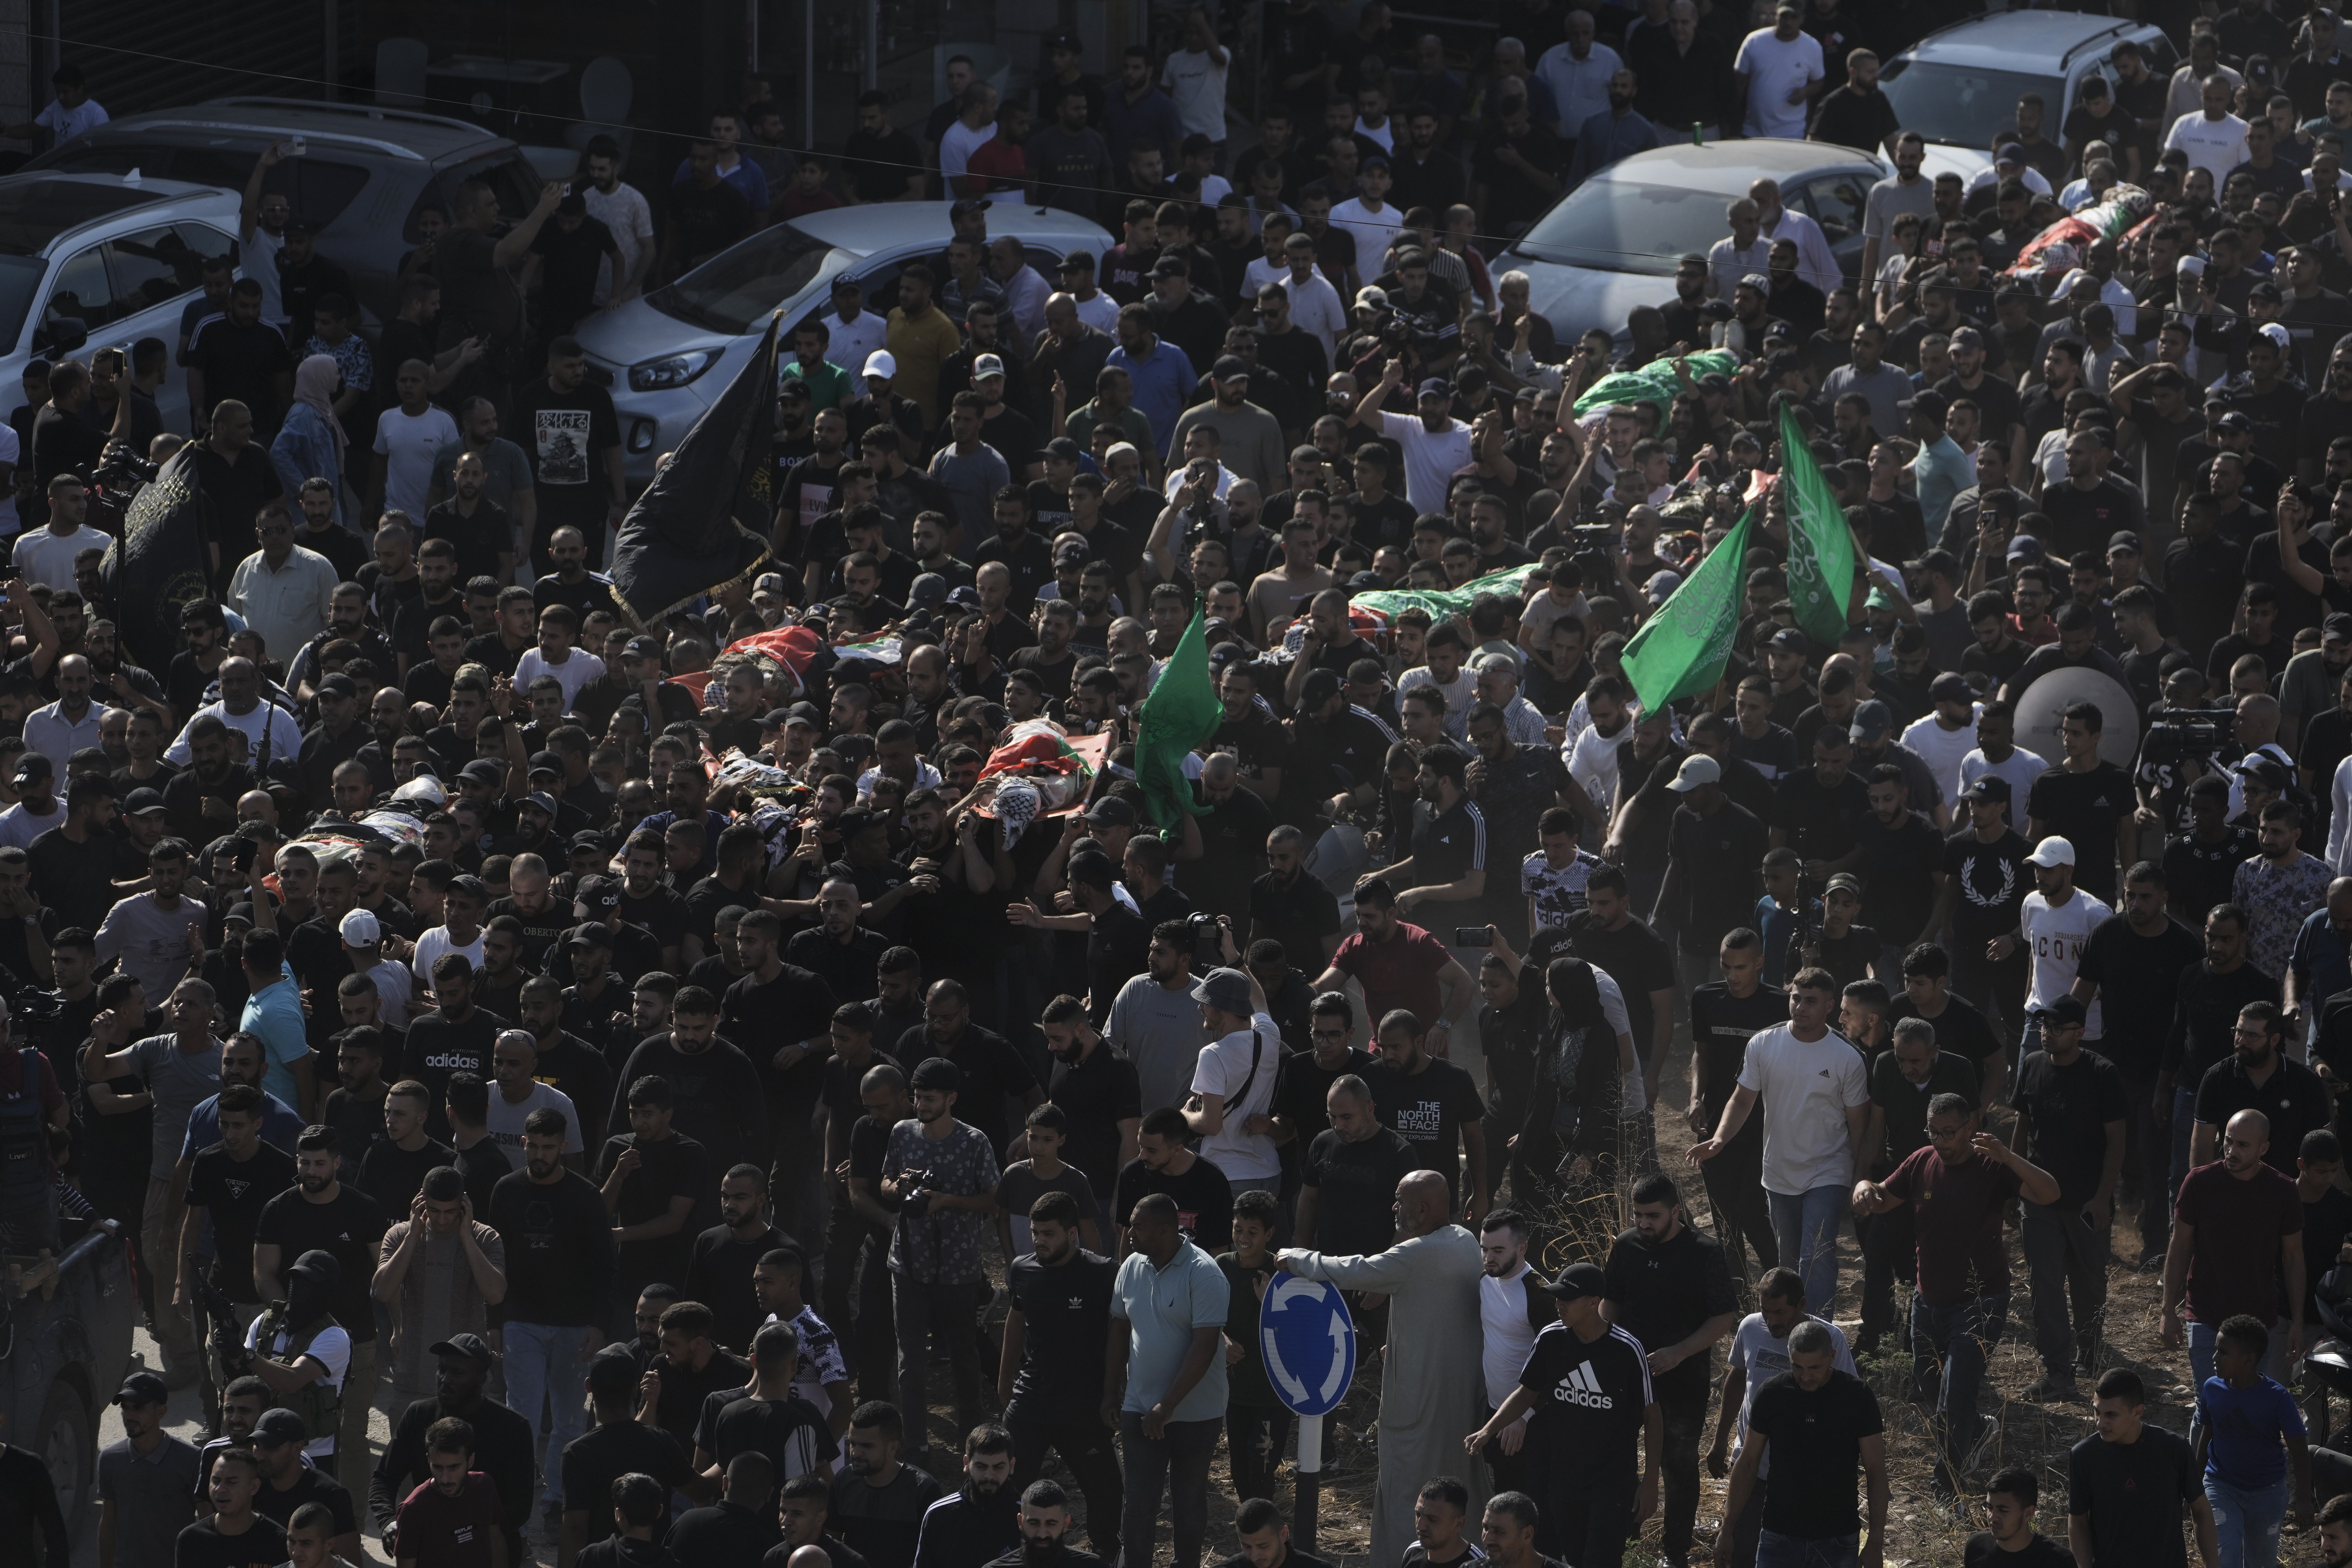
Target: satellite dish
[[2045, 702]]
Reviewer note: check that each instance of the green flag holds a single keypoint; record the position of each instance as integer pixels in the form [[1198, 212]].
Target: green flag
[[1180, 711], [1684, 646], [1820, 545]]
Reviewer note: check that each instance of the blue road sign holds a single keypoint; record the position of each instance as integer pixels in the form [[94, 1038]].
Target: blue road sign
[[1309, 1344]]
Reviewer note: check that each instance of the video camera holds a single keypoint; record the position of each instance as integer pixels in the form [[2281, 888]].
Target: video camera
[[2183, 734]]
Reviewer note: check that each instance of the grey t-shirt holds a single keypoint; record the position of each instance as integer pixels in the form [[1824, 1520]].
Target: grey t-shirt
[[509, 469], [1890, 199], [152, 942], [180, 1082], [150, 1493]]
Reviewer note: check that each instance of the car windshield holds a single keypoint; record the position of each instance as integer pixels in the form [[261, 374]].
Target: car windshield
[[1957, 104], [733, 293], [20, 285], [1625, 225]]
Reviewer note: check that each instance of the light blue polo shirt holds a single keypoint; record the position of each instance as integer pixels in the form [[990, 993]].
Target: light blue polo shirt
[[1161, 1308]]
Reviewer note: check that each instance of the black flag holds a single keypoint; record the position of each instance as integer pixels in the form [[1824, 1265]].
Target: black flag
[[157, 568], [704, 519]]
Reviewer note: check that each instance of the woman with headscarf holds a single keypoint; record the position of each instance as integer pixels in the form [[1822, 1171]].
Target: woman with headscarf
[[1567, 1145], [310, 445]]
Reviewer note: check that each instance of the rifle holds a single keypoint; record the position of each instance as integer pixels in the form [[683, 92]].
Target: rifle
[[227, 1340]]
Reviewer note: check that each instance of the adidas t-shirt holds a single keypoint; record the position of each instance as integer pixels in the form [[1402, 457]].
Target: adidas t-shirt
[[1590, 1400]]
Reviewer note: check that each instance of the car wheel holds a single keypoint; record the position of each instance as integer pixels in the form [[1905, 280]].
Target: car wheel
[[67, 1446]]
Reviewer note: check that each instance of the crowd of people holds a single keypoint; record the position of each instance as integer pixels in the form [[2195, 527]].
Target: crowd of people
[[639, 1055]]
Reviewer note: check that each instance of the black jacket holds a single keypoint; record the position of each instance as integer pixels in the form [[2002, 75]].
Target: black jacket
[[502, 1450]]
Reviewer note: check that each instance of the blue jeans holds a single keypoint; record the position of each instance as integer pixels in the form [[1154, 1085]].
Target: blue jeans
[[543, 1362], [1961, 1338], [2246, 1521], [1774, 1549], [1806, 1227]]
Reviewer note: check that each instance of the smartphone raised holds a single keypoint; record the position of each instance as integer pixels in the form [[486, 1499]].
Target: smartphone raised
[[1471, 936]]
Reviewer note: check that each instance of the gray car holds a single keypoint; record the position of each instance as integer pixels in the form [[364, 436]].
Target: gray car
[[662, 354], [363, 174], [1611, 244], [1959, 84]]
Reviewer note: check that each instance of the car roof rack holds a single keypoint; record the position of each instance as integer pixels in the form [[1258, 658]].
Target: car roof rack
[[374, 113]]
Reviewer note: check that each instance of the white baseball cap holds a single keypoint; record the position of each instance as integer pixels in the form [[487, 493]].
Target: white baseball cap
[[2052, 851], [881, 363], [361, 930]]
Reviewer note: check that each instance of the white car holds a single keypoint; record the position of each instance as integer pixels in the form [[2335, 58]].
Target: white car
[[1612, 243], [1959, 84], [92, 261], [656, 354]]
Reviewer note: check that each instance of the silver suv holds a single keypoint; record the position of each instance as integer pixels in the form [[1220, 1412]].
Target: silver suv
[[1958, 84], [364, 172]]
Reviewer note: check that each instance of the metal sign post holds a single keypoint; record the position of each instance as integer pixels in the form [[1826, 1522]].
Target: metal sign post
[[1308, 1342]]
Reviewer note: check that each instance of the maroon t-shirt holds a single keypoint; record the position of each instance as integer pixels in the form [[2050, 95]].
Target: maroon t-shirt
[[1956, 1213], [2235, 1267], [1399, 973], [451, 1531]]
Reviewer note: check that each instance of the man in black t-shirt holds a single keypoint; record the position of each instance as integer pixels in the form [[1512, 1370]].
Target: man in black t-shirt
[[2085, 801], [1818, 811], [2125, 1484], [571, 249], [230, 1184], [1435, 1107], [1204, 1198], [2071, 1121], [1826, 1421], [1723, 1018], [618, 1445], [1050, 1377], [1587, 1385], [1347, 1192], [1986, 879], [237, 354], [572, 438], [1670, 1287]]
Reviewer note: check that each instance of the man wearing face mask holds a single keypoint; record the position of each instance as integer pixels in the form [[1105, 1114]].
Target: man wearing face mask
[[298, 1348], [320, 1215]]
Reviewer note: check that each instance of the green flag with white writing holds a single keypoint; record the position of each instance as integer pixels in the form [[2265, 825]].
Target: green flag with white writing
[[1820, 545], [1684, 646]]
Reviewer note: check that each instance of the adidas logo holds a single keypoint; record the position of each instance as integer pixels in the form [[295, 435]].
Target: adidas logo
[[1583, 1387], [457, 1063]]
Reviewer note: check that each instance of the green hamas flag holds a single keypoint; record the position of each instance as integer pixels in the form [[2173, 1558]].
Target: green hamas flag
[[1684, 646], [1180, 711], [1820, 545]]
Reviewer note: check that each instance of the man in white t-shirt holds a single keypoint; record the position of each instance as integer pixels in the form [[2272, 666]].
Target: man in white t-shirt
[[1233, 1084], [1372, 220], [261, 233], [1778, 66], [1816, 1099], [460, 932], [1194, 77], [2214, 139], [408, 437], [623, 209], [46, 556], [974, 126], [1437, 445], [1945, 737], [2052, 923], [514, 1060]]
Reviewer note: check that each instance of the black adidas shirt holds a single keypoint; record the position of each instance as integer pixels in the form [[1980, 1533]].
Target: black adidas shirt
[[1590, 1399]]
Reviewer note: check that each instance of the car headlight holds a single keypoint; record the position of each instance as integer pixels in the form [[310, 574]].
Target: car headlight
[[672, 370]]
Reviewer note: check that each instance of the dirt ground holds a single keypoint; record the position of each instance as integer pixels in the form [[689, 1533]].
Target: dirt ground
[[1923, 1533]]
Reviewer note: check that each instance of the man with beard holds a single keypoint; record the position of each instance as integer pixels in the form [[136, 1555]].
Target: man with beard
[[455, 1036], [442, 1270], [721, 1102], [200, 801], [978, 1523], [723, 1258], [1044, 1525], [347, 621], [1050, 1388], [619, 1445], [339, 738], [878, 1502], [321, 1215], [560, 1270], [502, 1441]]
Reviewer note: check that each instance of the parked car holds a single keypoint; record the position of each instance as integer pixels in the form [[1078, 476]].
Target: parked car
[[65, 1355], [1612, 243], [93, 261], [657, 352], [364, 172], [1960, 84]]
